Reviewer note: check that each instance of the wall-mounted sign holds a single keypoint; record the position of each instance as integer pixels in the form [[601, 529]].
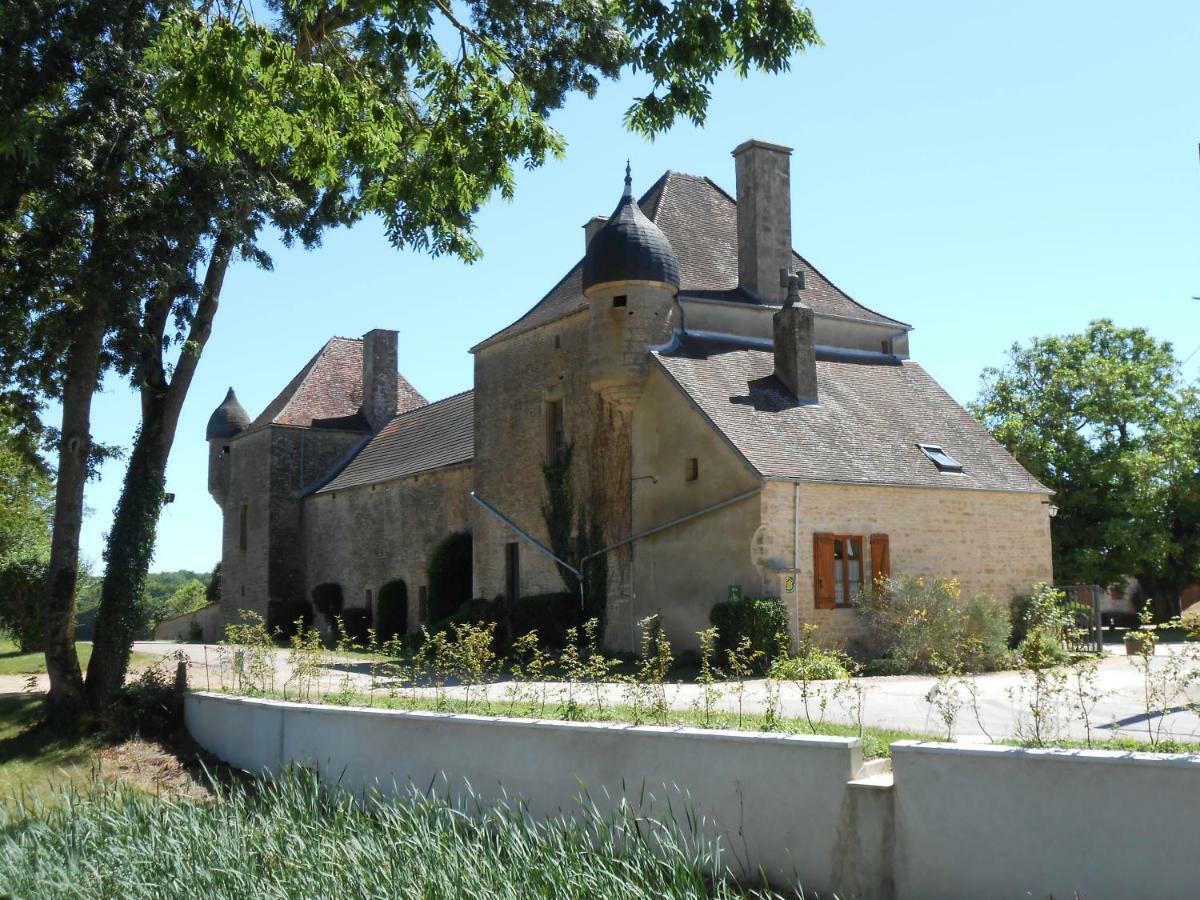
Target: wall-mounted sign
[[789, 584], [735, 592]]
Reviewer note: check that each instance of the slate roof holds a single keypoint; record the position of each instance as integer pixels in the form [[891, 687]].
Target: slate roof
[[700, 220], [430, 437], [228, 419], [629, 247], [865, 428], [327, 392]]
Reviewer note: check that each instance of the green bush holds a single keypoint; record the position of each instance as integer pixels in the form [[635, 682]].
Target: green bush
[[550, 614], [917, 624], [392, 610], [1045, 618], [327, 599], [762, 620], [356, 622], [450, 575], [20, 594], [282, 616]]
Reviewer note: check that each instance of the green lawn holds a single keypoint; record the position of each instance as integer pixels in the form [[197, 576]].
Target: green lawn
[[14, 662], [33, 761]]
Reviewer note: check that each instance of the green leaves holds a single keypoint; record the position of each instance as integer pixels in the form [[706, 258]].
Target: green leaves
[[1101, 418]]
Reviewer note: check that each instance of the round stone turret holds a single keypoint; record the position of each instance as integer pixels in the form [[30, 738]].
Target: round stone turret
[[228, 419], [630, 277]]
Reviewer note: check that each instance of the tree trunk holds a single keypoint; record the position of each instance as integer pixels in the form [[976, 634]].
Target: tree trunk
[[130, 544], [65, 699]]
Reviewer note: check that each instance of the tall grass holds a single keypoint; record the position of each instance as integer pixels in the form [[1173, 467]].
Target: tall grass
[[291, 837]]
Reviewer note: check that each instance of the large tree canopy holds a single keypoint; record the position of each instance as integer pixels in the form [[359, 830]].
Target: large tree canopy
[[1105, 419], [152, 141]]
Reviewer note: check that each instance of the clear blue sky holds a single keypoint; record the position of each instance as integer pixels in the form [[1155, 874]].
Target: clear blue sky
[[986, 172]]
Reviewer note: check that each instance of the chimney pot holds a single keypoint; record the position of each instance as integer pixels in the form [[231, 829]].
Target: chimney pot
[[795, 348], [764, 217], [379, 376], [594, 224]]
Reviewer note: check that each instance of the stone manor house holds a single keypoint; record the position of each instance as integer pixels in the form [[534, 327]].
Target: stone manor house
[[732, 419]]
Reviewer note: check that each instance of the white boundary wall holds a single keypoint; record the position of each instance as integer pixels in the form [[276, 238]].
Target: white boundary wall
[[959, 821]]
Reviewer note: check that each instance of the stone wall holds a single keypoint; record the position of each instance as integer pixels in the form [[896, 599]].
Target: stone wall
[[993, 542], [267, 469], [514, 379], [364, 537], [683, 571]]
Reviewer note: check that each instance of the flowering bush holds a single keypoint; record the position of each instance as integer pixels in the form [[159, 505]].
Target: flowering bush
[[919, 624]]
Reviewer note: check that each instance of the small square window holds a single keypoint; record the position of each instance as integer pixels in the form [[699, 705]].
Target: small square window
[[940, 458], [693, 469], [620, 300]]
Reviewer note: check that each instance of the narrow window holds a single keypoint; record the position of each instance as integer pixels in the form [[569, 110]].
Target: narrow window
[[557, 342], [423, 603], [368, 598], [940, 458], [512, 571], [243, 514], [556, 437], [693, 469], [620, 300]]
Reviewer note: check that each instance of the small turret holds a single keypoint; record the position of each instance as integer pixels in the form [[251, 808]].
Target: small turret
[[227, 421], [630, 277]]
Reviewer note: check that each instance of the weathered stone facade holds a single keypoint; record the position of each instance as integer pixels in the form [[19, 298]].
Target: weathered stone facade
[[714, 435]]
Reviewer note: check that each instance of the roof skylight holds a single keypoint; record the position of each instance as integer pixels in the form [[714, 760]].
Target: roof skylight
[[940, 458]]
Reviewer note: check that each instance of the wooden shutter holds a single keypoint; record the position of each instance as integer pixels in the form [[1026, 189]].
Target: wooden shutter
[[824, 572], [881, 559]]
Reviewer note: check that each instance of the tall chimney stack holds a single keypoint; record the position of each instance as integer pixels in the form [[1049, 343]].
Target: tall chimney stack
[[764, 218], [379, 378], [795, 348]]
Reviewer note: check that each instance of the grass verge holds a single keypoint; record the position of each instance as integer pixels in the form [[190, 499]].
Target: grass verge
[[14, 662]]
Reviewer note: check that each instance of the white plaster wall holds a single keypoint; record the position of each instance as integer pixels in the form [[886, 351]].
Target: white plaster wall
[[1003, 822], [952, 821], [774, 800]]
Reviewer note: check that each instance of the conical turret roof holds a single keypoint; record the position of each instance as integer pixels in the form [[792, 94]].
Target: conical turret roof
[[629, 248], [228, 419]]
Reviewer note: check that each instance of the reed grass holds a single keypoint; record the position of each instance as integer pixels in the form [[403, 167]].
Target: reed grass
[[292, 837]]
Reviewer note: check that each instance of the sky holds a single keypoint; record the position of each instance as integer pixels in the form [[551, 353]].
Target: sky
[[985, 172]]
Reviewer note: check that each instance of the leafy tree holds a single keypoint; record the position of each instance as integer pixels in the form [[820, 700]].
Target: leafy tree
[[26, 493], [156, 139], [1105, 420]]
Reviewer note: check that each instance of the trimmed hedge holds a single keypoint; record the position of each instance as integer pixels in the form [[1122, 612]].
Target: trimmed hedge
[[450, 575], [761, 619], [328, 600], [392, 610], [283, 614]]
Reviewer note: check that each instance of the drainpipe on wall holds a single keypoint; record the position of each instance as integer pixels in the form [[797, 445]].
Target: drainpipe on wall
[[796, 550]]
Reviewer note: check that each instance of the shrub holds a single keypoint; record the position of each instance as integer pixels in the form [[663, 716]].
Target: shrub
[[1046, 616], [392, 610], [761, 621], [356, 622], [150, 706], [919, 624], [282, 616], [450, 575], [551, 615], [20, 591], [328, 600]]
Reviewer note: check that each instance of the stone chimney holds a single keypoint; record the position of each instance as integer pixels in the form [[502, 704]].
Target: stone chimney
[[795, 349], [764, 217], [594, 224], [379, 376]]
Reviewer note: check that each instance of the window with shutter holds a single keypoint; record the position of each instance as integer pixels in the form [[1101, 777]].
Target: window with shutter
[[881, 559], [838, 570]]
